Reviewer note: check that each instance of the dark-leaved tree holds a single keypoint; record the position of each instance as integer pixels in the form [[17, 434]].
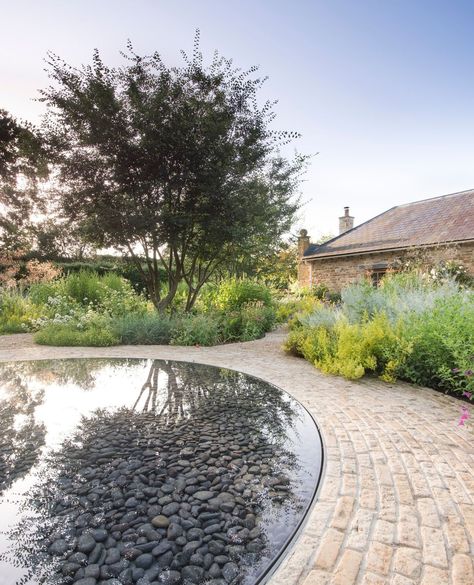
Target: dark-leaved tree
[[23, 163], [176, 164]]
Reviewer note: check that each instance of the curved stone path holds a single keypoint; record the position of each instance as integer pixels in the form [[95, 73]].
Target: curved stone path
[[396, 504]]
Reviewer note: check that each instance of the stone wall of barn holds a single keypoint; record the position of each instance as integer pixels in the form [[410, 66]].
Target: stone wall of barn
[[336, 273]]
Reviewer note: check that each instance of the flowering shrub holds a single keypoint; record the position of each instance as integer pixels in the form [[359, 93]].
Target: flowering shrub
[[118, 303], [450, 270], [17, 313], [410, 328], [105, 310], [110, 293], [443, 344], [36, 271], [351, 350], [14, 272]]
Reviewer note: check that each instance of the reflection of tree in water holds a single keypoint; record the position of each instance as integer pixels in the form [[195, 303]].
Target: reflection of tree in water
[[188, 388], [182, 393], [229, 426], [80, 372], [21, 437]]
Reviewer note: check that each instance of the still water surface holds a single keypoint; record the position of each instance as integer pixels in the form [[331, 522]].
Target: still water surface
[[125, 471]]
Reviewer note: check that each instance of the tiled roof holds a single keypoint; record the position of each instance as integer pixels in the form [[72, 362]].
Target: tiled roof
[[449, 218]]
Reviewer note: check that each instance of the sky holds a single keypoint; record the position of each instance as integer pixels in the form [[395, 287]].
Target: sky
[[382, 91]]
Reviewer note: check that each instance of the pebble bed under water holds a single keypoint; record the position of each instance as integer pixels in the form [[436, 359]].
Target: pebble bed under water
[[131, 471]]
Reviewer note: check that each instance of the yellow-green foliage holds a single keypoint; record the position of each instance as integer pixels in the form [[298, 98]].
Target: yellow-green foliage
[[289, 310], [351, 350], [409, 328], [374, 345], [17, 312]]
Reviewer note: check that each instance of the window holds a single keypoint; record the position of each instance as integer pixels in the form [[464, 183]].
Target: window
[[377, 275]]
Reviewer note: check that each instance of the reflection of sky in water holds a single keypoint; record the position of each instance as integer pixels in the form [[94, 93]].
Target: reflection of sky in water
[[65, 404], [278, 519], [117, 384]]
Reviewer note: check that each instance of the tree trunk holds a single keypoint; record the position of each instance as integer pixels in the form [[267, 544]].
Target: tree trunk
[[162, 304]]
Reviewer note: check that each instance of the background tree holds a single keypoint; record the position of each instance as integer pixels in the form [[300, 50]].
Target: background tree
[[57, 239], [275, 264], [23, 163], [178, 164]]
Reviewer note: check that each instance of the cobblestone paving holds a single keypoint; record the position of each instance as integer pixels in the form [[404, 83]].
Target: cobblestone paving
[[396, 504]]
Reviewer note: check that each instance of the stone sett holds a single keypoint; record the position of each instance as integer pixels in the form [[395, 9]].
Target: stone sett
[[379, 558], [373, 579], [463, 572], [396, 502], [400, 580], [329, 549], [348, 568], [408, 562]]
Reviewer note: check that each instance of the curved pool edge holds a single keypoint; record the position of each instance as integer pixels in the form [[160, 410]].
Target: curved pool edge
[[352, 416], [273, 575]]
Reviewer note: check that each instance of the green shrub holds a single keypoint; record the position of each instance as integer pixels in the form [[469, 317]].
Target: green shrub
[[289, 309], [148, 329], [233, 293], [106, 265], [373, 346], [39, 293], [17, 312], [411, 328], [84, 287], [351, 350], [252, 321], [333, 297], [293, 342], [109, 293], [397, 295], [443, 345], [69, 335], [200, 329], [178, 304]]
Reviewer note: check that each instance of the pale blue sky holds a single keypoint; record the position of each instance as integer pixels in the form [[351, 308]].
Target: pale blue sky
[[382, 89]]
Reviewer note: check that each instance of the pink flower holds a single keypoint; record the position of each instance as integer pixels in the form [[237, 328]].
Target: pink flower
[[464, 416], [467, 394]]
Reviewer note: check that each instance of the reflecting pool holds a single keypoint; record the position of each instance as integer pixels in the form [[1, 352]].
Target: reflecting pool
[[124, 471]]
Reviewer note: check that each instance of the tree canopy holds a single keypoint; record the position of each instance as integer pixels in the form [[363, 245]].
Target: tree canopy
[[23, 163], [179, 164]]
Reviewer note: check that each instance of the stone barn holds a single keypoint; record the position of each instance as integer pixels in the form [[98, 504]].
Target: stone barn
[[431, 230]]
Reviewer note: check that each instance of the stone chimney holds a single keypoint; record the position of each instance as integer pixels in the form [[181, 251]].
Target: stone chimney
[[304, 269], [346, 222], [303, 243]]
